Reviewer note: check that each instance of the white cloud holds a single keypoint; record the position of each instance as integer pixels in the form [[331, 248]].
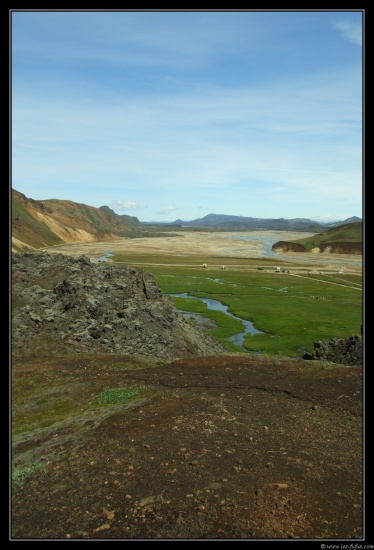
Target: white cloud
[[122, 205], [285, 134], [350, 30]]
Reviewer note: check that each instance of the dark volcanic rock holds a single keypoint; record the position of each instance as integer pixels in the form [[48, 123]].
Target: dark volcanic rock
[[63, 305], [344, 351]]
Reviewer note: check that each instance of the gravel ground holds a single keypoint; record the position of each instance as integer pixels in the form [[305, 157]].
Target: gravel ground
[[225, 447]]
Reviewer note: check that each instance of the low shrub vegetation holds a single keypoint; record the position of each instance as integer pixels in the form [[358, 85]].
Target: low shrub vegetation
[[20, 475], [115, 395]]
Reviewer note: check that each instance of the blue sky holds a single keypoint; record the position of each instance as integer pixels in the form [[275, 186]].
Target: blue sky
[[175, 114]]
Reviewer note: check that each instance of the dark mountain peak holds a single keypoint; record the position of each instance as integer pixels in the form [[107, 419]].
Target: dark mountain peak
[[226, 221], [122, 218]]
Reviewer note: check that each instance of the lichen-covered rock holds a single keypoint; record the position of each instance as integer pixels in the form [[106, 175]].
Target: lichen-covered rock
[[65, 305], [344, 351]]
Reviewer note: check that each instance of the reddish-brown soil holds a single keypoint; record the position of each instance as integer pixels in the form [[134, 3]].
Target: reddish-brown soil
[[226, 447]]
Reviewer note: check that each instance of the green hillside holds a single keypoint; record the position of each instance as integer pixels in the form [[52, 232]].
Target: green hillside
[[347, 233]]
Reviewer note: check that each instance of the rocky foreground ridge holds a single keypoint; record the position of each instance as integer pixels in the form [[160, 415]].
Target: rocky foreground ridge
[[64, 305]]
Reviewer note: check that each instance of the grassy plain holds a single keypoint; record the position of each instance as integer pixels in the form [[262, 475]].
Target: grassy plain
[[292, 311]]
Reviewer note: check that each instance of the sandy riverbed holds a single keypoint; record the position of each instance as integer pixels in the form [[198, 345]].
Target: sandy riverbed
[[220, 245]]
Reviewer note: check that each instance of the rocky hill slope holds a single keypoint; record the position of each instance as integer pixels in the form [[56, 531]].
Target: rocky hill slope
[[63, 305], [38, 224]]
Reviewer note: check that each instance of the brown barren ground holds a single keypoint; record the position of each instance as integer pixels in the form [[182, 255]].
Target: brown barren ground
[[230, 447]]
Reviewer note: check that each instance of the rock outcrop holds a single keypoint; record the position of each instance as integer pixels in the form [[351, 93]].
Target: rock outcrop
[[66, 305], [344, 351]]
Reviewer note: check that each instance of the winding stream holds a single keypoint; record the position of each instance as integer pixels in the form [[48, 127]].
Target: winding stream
[[106, 254], [216, 305]]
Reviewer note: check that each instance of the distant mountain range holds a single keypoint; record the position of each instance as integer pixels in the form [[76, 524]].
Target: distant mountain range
[[225, 221], [42, 223]]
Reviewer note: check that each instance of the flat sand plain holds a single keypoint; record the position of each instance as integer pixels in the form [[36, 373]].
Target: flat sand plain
[[219, 246]]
